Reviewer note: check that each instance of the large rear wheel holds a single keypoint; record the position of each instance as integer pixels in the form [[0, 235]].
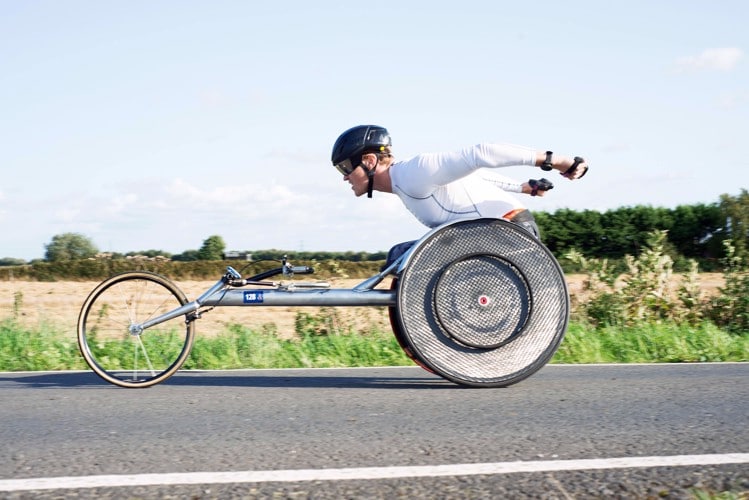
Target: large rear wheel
[[482, 303], [121, 354]]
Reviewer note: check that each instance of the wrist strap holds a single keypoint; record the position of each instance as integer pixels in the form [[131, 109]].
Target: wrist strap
[[546, 165]]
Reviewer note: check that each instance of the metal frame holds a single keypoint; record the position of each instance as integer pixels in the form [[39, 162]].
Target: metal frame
[[230, 291]]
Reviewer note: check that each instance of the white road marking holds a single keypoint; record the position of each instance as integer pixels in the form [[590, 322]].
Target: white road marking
[[364, 473]]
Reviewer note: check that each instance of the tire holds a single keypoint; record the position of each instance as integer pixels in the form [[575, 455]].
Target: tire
[[125, 358], [481, 303], [398, 332]]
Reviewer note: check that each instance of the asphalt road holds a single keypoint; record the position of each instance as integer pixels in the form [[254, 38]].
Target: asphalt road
[[389, 421]]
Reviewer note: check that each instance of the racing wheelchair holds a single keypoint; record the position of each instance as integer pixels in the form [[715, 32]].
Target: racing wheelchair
[[479, 302]]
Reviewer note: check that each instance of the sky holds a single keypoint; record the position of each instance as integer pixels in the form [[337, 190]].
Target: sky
[[157, 124]]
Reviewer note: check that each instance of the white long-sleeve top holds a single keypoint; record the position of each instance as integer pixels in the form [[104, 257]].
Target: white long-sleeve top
[[441, 187]]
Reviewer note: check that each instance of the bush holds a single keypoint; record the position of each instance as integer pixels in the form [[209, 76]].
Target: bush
[[730, 309], [641, 295]]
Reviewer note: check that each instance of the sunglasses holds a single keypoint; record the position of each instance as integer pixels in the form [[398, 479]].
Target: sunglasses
[[346, 167]]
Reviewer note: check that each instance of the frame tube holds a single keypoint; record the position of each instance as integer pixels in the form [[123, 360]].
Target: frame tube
[[301, 297]]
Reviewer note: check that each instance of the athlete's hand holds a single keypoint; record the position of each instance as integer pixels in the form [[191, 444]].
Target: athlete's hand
[[576, 170], [537, 187]]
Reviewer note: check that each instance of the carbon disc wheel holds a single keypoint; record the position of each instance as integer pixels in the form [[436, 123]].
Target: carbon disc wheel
[[482, 303]]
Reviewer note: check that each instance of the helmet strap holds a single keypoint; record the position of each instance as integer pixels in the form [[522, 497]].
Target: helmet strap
[[370, 183], [370, 177]]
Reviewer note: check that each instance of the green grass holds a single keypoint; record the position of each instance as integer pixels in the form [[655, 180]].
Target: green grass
[[241, 347], [44, 348], [703, 494], [651, 343]]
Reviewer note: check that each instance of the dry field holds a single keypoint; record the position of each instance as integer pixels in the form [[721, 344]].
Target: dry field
[[57, 304]]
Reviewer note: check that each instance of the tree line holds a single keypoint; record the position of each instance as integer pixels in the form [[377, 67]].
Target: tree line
[[693, 232]]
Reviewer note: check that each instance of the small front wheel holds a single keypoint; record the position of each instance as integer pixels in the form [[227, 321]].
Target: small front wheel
[[124, 355]]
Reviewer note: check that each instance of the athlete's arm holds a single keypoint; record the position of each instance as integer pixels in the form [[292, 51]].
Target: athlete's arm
[[424, 173]]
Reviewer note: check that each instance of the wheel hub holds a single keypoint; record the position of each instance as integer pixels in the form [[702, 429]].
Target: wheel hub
[[482, 301]]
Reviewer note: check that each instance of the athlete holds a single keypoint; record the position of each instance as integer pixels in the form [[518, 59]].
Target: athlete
[[442, 187]]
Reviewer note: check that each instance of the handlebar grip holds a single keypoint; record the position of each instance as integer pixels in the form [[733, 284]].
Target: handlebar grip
[[302, 270]]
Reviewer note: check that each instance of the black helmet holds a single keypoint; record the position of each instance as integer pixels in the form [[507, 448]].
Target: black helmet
[[354, 142]]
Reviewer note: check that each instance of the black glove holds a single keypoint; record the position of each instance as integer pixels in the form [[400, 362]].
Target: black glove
[[540, 185]]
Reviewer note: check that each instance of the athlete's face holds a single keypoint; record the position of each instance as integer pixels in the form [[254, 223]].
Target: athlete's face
[[358, 177], [358, 180]]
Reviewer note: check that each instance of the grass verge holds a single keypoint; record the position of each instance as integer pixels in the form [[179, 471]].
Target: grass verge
[[44, 348], [651, 343]]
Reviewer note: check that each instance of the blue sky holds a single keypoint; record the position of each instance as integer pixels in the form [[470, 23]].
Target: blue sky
[[156, 124]]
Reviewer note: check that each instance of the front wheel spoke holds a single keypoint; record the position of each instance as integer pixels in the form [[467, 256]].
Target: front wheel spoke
[[149, 365]]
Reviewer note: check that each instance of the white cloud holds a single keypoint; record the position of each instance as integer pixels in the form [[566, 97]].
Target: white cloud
[[235, 197], [67, 214], [298, 157], [121, 203], [617, 147], [732, 100], [212, 98], [720, 59]]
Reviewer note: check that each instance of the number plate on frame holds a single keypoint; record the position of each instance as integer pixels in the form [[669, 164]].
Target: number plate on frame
[[254, 297]]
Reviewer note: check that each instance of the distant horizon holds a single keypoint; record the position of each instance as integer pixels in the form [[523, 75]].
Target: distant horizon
[[292, 251]]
